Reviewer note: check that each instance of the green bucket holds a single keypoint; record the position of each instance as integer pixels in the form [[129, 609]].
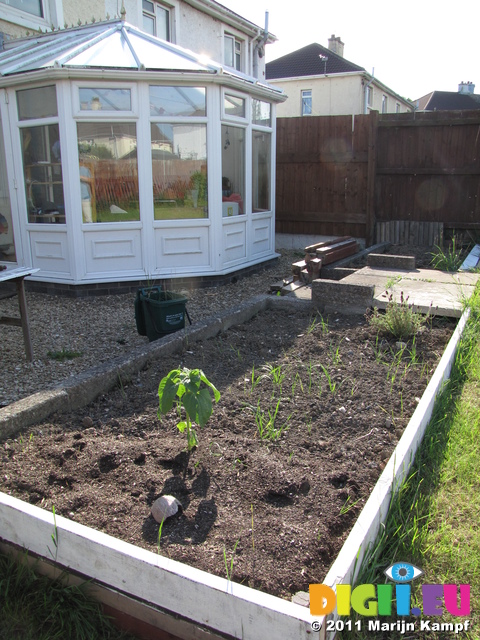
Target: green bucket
[[158, 313]]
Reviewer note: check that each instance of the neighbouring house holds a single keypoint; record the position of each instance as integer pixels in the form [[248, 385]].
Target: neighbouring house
[[124, 154], [321, 82], [464, 99]]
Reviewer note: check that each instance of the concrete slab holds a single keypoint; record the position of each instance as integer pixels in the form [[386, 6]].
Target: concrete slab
[[428, 290]]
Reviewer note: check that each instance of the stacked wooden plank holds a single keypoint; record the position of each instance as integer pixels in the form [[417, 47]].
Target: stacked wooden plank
[[316, 256]]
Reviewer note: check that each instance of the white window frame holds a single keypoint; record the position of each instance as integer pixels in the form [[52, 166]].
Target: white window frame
[[171, 21], [369, 90], [384, 103], [397, 107], [52, 13], [227, 36], [103, 114], [237, 94], [303, 104]]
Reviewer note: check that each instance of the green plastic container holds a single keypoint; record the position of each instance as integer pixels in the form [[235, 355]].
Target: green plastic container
[[158, 313]]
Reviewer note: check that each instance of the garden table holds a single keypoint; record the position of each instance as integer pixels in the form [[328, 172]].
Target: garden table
[[17, 275]]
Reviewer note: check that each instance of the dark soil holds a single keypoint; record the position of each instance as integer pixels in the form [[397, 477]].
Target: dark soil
[[274, 513]]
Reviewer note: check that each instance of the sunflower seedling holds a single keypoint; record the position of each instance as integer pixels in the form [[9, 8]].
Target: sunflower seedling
[[190, 389]]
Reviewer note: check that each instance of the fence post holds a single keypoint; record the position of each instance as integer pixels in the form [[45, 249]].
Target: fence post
[[371, 176]]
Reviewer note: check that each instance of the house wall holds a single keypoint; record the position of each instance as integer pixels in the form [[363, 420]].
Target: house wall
[[191, 28], [333, 96]]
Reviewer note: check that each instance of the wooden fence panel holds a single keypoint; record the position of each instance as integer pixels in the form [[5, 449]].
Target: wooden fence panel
[[342, 175]]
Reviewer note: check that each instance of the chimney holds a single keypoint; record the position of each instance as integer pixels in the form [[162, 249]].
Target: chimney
[[466, 88], [335, 45]]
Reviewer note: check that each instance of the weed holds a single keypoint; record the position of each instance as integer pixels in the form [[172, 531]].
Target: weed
[[267, 430], [399, 320], [160, 535], [229, 568], [64, 354], [184, 386], [347, 505], [54, 536], [332, 385], [35, 607], [449, 259]]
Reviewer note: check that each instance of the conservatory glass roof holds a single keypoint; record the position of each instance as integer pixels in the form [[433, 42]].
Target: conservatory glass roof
[[112, 44]]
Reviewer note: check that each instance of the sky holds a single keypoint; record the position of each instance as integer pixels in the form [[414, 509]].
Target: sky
[[412, 47]]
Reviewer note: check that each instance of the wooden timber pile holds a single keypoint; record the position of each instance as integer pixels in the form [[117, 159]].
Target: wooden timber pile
[[316, 256]]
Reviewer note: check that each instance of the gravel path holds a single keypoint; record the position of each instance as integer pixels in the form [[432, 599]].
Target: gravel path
[[99, 329]]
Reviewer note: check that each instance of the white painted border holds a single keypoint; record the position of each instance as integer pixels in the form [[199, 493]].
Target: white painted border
[[365, 531], [196, 596]]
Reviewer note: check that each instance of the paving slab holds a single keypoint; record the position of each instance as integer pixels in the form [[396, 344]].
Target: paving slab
[[428, 290]]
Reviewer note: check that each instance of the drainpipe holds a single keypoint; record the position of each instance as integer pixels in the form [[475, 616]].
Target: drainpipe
[[369, 83], [259, 49]]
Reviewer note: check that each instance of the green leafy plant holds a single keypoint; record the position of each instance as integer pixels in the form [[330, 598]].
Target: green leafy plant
[[400, 319], [190, 389], [266, 423]]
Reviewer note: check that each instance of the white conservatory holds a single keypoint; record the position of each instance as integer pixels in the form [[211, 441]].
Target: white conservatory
[[124, 157]]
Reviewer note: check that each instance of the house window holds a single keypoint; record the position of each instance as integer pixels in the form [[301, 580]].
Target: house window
[[33, 7], [97, 99], [177, 101], [234, 106], [233, 170], [261, 113], [179, 168], [233, 52], [384, 104], [397, 107], [156, 19], [179, 152], [369, 96], [41, 154], [107, 154], [261, 171], [307, 102]]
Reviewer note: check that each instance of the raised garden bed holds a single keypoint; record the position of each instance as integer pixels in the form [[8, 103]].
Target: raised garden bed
[[271, 513]]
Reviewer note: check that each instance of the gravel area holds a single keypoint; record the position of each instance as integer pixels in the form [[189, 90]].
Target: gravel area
[[98, 329]]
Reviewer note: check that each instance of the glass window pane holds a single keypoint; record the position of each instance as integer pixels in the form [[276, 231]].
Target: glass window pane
[[261, 171], [149, 24], [261, 113], [179, 169], [43, 173], [37, 103], [96, 99], [7, 244], [306, 103], [177, 101], [229, 43], [163, 23], [107, 154], [147, 6], [234, 106], [29, 6], [233, 170]]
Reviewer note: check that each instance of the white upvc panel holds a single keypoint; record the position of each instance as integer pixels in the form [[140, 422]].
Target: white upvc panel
[[234, 242], [179, 250], [261, 236], [113, 251], [49, 251]]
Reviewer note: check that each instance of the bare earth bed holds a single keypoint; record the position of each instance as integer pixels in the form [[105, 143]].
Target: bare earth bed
[[274, 513]]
